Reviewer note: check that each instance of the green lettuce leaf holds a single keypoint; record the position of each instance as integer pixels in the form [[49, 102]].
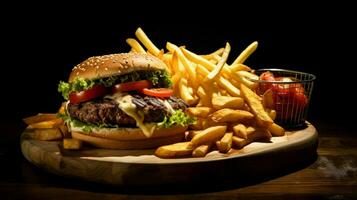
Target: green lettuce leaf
[[178, 118]]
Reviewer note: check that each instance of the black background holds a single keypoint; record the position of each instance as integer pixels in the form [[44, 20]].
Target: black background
[[42, 43]]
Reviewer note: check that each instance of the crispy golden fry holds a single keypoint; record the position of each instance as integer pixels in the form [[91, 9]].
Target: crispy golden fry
[[220, 102], [140, 34], [246, 53], [208, 122], [177, 65], [205, 98], [224, 83], [276, 130], [209, 67], [176, 150], [208, 136], [48, 134], [220, 64], [64, 131], [250, 84], [259, 134], [256, 106], [71, 143], [240, 130], [225, 144], [268, 99], [190, 134], [39, 118], [244, 132], [239, 67], [201, 151], [239, 142], [47, 124], [200, 111], [230, 115], [272, 114], [190, 69], [135, 45], [185, 93], [248, 75]]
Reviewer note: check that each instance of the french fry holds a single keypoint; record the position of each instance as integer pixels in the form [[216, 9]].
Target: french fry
[[201, 151], [268, 99], [176, 150], [140, 34], [190, 134], [250, 84], [200, 111], [47, 124], [205, 98], [185, 93], [39, 118], [239, 142], [259, 134], [239, 67], [244, 132], [64, 131], [248, 75], [272, 114], [256, 106], [177, 65], [220, 102], [186, 63], [48, 134], [240, 130], [135, 45], [208, 122], [245, 54], [230, 115], [71, 143], [224, 83], [208, 136], [276, 130], [225, 144], [220, 64]]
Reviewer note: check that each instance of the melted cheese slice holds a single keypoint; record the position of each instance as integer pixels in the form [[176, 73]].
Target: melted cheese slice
[[124, 101]]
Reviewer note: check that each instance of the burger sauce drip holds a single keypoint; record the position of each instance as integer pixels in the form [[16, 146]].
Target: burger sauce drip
[[124, 101]]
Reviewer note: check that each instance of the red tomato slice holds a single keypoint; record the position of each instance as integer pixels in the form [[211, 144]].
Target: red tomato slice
[[85, 95], [157, 92], [129, 86]]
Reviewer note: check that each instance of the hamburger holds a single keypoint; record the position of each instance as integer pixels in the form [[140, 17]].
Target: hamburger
[[123, 101]]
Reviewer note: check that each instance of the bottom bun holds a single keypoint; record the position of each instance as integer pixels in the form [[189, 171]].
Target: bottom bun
[[146, 143]]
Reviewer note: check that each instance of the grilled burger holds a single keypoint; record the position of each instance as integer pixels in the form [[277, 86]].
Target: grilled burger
[[123, 101]]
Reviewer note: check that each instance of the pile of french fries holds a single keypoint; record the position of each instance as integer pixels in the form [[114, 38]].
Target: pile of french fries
[[220, 95], [48, 127]]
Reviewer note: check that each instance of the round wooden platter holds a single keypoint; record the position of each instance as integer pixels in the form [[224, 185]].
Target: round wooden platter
[[142, 167]]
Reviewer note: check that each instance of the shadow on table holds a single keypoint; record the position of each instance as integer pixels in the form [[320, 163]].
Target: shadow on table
[[214, 176]]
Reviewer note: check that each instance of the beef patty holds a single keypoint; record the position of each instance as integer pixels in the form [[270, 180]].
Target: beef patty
[[106, 111]]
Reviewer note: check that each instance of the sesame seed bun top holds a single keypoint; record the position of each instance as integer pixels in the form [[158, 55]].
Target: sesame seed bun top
[[114, 65]]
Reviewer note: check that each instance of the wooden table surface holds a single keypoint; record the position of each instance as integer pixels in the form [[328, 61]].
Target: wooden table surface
[[332, 174]]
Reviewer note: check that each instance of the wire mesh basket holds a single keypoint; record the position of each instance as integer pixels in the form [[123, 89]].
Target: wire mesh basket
[[290, 95]]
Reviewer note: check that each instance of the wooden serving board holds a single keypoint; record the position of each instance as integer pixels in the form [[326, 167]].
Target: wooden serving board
[[141, 167]]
